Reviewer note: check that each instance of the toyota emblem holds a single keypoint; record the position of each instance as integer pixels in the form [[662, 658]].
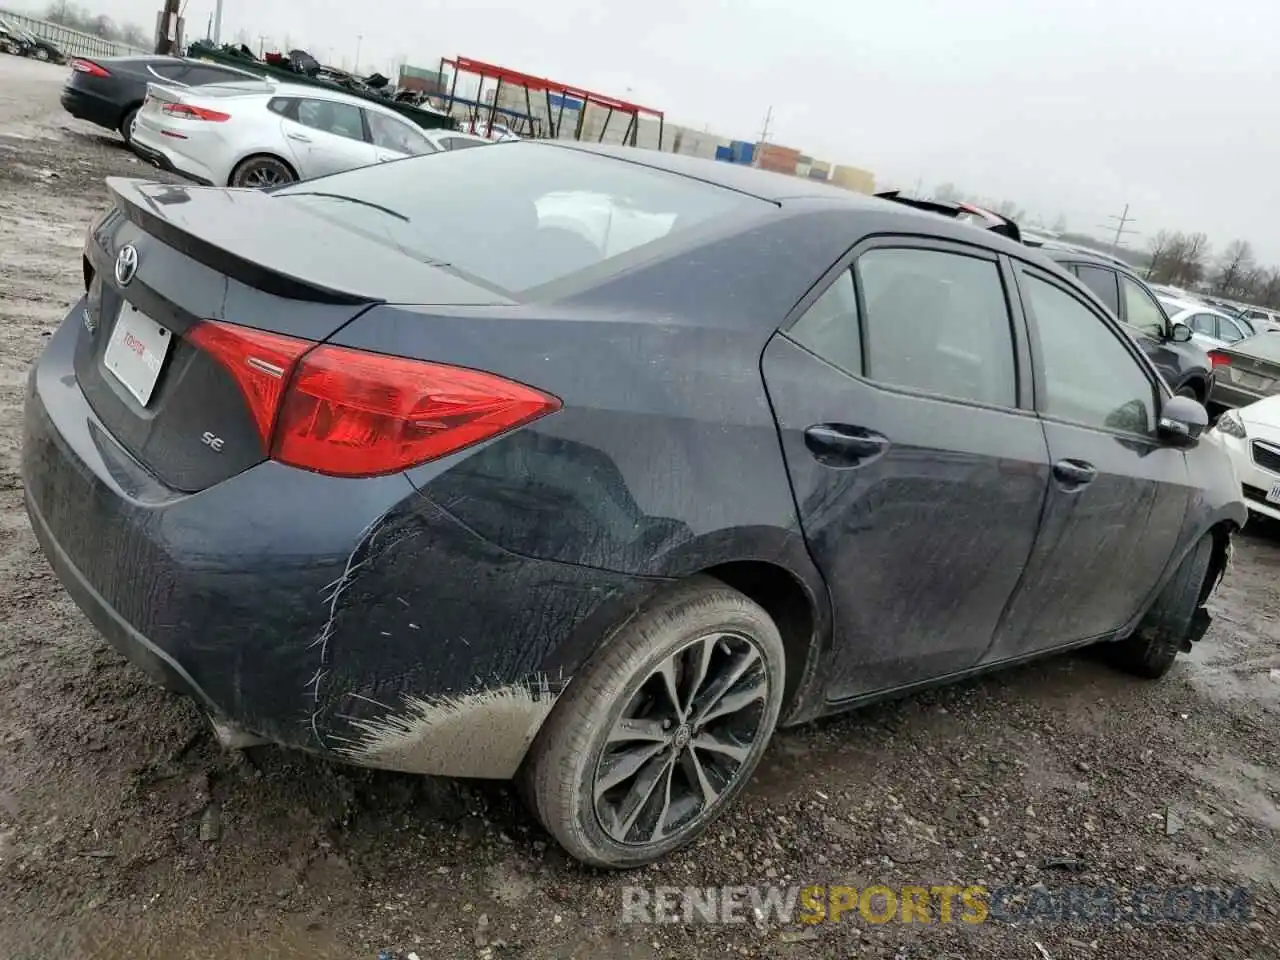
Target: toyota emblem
[[126, 264]]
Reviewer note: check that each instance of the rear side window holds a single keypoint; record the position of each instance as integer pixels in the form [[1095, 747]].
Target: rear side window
[[518, 215], [1229, 331], [829, 327], [937, 322], [1205, 323], [460, 143], [1103, 283], [1089, 376], [340, 119], [283, 106]]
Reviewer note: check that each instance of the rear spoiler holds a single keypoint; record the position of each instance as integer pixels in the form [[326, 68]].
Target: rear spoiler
[[995, 222]]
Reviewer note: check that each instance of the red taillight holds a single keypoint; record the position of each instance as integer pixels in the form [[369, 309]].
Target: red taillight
[[185, 111], [260, 363], [80, 65], [349, 413], [1217, 359]]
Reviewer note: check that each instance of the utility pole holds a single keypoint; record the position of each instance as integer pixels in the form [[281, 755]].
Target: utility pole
[[359, 38], [764, 130], [167, 41], [1121, 225], [217, 23]]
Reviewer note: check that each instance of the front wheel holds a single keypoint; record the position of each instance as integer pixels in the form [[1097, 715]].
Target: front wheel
[[1151, 649], [41, 53], [127, 123], [261, 172], [662, 728]]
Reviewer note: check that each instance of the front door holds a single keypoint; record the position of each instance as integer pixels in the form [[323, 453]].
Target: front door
[[919, 469], [1117, 497]]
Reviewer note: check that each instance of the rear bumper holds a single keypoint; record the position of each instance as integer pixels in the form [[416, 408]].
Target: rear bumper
[[151, 146], [353, 618], [1230, 395], [86, 105]]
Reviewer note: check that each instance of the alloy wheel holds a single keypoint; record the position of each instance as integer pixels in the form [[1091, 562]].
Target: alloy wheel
[[682, 740]]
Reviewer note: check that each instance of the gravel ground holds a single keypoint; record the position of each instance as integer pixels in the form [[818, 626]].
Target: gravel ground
[[126, 832]]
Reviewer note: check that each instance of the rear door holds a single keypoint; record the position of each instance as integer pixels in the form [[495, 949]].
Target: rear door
[[918, 467], [326, 136], [1117, 498]]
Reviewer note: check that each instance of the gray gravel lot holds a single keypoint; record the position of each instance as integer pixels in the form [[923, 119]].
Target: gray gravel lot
[[125, 831]]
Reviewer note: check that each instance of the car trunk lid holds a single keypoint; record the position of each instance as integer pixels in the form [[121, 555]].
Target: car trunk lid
[[168, 263]]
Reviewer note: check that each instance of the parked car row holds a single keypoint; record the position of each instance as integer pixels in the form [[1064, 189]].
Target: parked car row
[[219, 126], [21, 42], [769, 450]]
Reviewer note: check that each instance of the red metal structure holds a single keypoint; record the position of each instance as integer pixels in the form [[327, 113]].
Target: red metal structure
[[542, 87]]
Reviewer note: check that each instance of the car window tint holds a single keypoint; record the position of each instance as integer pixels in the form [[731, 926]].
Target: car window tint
[[460, 143], [341, 119], [397, 135], [829, 327], [170, 71], [937, 322], [1103, 283], [1229, 331], [1142, 311], [523, 215], [198, 75], [1089, 376], [283, 106]]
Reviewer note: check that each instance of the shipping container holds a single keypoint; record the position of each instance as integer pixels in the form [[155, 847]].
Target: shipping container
[[725, 154], [743, 151], [851, 178]]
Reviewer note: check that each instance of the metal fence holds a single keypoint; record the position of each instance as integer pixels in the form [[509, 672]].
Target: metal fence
[[73, 43]]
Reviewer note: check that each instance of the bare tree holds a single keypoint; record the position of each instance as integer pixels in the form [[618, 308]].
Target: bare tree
[[1060, 225], [1160, 247], [1234, 268], [1267, 287], [946, 192], [1191, 261]]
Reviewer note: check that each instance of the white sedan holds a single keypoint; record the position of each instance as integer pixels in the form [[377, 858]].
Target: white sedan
[[1251, 436], [261, 134], [1210, 327]]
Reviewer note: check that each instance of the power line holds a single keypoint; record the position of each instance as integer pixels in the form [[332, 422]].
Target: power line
[[1120, 224]]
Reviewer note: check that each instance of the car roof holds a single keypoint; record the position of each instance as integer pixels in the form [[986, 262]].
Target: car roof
[[762, 184]]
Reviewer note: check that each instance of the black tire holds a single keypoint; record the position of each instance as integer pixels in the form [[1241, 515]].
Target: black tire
[[1151, 649], [126, 124], [563, 777], [261, 171], [41, 53]]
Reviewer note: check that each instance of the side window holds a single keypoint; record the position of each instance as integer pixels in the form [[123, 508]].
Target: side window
[[1229, 331], [937, 322], [340, 119], [1142, 312], [1103, 283], [284, 106], [460, 143], [396, 135], [830, 326], [1089, 376], [1205, 323]]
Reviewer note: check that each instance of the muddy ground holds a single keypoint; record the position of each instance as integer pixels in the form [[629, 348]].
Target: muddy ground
[[126, 832]]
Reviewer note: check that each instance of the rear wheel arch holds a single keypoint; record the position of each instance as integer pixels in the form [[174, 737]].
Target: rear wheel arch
[[1222, 532], [795, 611], [261, 155], [1198, 387]]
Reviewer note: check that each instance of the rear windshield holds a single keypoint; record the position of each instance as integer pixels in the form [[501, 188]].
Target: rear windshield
[[517, 215]]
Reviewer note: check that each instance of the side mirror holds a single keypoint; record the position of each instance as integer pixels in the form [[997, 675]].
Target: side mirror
[[1182, 421], [1180, 333]]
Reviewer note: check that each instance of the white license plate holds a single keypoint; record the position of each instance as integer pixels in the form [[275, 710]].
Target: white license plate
[[136, 352], [1273, 495]]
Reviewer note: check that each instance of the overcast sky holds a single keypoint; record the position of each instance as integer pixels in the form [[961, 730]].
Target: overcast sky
[[1071, 108]]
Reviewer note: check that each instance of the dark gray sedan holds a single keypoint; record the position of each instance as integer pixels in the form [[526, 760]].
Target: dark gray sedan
[[592, 466]]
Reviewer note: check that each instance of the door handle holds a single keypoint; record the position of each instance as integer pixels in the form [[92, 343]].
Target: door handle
[[843, 446], [299, 137], [1074, 474]]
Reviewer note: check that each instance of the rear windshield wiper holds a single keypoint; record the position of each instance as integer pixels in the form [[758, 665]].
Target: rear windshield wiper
[[339, 196]]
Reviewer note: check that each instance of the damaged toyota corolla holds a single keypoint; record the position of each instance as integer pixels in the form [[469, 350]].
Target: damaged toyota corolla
[[589, 467]]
